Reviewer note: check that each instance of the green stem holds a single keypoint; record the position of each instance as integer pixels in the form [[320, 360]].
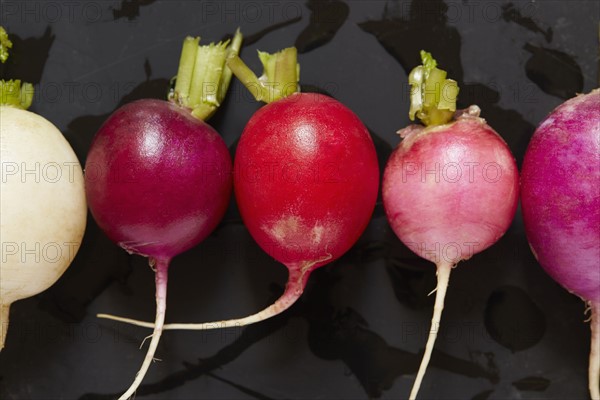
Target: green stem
[[279, 79], [186, 67], [210, 61], [202, 77], [247, 77], [13, 93], [433, 97], [234, 50], [5, 44]]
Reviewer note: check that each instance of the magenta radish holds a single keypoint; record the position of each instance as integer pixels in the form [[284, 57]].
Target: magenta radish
[[560, 195], [43, 212], [158, 178], [450, 188], [306, 178]]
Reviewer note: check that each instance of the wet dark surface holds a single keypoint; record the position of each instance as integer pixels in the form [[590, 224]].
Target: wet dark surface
[[513, 319], [327, 16], [554, 71], [130, 9], [359, 330], [20, 65], [533, 383], [255, 37], [483, 395], [510, 12]]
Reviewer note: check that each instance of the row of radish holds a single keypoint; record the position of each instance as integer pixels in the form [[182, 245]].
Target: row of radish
[[171, 204]]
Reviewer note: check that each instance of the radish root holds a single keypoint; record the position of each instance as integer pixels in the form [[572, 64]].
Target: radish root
[[594, 369], [161, 308], [443, 277], [293, 290]]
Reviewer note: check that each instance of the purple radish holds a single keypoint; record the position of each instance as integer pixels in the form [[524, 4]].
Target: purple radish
[[450, 188], [158, 178], [560, 196]]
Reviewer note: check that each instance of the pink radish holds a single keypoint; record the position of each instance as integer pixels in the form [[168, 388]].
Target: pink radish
[[306, 178], [158, 177], [561, 205], [450, 188]]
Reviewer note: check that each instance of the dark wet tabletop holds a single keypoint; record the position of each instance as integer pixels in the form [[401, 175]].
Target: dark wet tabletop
[[508, 331]]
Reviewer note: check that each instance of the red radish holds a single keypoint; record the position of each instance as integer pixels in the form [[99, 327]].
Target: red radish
[[42, 200], [158, 178], [560, 198], [450, 189], [306, 178]]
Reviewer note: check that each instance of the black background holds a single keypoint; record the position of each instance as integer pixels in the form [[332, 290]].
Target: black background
[[508, 331]]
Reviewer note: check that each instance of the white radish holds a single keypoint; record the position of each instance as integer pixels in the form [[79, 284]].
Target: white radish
[[42, 199]]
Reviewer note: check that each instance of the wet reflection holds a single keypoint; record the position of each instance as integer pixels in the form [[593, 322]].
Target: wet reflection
[[326, 18], [513, 319], [130, 9], [554, 71], [28, 57]]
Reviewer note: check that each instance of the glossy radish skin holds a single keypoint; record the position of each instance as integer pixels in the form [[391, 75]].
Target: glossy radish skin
[[561, 195], [450, 191], [306, 179], [306, 184], [561, 205], [158, 182], [451, 187], [157, 179], [43, 210]]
